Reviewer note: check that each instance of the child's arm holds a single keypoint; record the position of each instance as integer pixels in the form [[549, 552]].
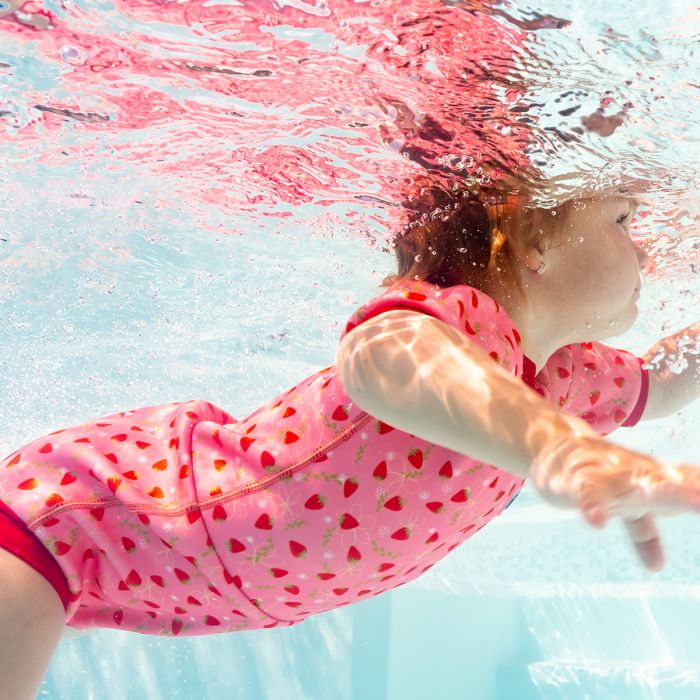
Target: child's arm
[[422, 376], [674, 380]]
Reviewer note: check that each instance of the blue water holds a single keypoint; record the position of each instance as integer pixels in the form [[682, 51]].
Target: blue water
[[122, 288]]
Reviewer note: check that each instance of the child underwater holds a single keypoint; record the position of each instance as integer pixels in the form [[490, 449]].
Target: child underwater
[[478, 367]]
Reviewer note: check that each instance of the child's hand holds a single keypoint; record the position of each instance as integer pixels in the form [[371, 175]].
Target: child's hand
[[604, 480]]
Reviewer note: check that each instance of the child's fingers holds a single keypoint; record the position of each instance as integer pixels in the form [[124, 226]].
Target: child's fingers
[[647, 541]]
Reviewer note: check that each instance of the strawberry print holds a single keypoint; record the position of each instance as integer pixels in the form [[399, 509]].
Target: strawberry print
[[179, 519]]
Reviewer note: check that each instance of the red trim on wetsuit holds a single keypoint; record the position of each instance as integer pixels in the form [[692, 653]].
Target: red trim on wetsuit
[[641, 401], [18, 539]]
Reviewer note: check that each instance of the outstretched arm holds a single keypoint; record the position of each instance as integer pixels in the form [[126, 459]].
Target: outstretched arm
[[674, 380]]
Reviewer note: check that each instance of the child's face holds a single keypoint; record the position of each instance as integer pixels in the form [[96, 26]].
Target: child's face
[[597, 267]]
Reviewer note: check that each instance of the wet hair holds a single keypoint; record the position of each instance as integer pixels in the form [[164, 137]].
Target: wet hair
[[456, 237]]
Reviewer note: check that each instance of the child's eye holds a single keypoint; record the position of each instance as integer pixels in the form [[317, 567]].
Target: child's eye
[[621, 220]]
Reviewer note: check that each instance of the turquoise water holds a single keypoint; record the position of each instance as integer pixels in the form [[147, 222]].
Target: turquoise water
[[172, 234]]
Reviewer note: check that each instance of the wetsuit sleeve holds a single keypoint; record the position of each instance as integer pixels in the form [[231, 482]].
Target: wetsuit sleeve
[[605, 386], [473, 313]]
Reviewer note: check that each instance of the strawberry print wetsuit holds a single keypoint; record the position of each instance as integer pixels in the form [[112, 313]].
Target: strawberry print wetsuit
[[178, 519]]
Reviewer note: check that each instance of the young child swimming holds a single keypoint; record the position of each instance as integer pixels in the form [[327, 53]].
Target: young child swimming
[[479, 366]]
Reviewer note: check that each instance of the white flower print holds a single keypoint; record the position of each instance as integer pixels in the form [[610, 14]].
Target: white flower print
[[423, 495], [390, 456], [327, 519], [383, 531], [298, 476], [329, 555], [379, 491], [302, 576]]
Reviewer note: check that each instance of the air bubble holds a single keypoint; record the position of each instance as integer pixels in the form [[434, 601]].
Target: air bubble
[[418, 258]]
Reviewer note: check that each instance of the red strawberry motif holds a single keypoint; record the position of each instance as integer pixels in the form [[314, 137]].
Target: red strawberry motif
[[289, 411], [182, 576], [158, 580], [619, 361], [113, 483], [97, 513], [51, 521], [340, 413], [53, 499], [563, 372], [133, 579], [432, 538], [401, 534], [185, 471], [290, 437], [278, 573], [246, 442], [61, 548], [588, 346], [129, 545], [619, 415], [468, 328], [340, 591], [15, 460], [180, 611], [119, 438], [395, 503], [348, 522], [383, 428], [380, 471], [28, 484], [193, 516], [219, 513], [493, 354], [460, 306], [68, 478], [117, 616], [193, 601], [518, 339], [349, 487], [294, 590], [292, 603], [46, 448], [266, 460], [594, 396], [176, 626], [235, 546], [385, 567], [315, 502], [590, 366], [142, 445], [156, 492], [435, 506], [264, 522], [219, 464], [215, 437], [415, 457], [461, 496], [174, 442], [620, 381], [446, 470], [353, 555], [325, 576], [297, 549], [211, 621]]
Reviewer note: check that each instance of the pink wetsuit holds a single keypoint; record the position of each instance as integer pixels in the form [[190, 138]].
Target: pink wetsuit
[[178, 519]]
